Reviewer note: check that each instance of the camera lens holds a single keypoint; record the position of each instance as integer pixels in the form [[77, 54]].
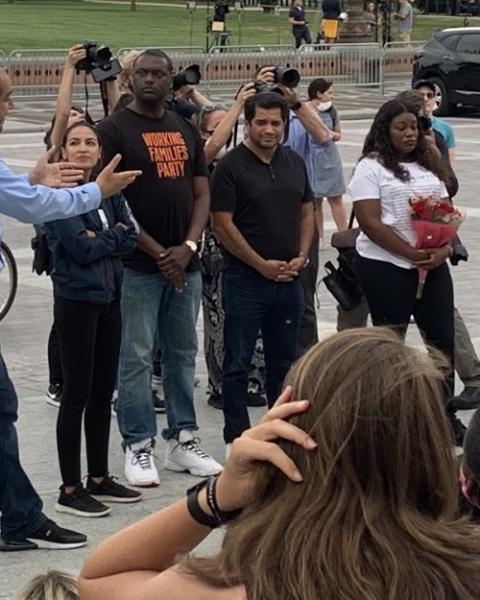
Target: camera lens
[[287, 77]]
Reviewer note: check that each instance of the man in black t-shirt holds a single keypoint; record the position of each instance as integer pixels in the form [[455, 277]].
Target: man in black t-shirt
[[297, 19], [162, 282], [263, 214]]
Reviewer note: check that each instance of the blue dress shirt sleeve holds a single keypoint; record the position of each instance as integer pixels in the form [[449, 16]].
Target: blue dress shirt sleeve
[[39, 204]]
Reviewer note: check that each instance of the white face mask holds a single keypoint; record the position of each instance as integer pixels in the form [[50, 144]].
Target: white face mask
[[323, 106]]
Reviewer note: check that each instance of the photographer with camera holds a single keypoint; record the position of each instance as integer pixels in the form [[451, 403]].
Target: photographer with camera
[[162, 281]]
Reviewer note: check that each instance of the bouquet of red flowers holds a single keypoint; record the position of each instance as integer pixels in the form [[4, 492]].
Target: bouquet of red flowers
[[435, 222]]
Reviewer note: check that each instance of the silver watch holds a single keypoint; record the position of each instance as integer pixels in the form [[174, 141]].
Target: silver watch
[[193, 246]]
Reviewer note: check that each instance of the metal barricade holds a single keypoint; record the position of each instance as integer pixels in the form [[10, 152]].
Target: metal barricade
[[398, 58], [3, 59], [38, 72], [348, 64], [233, 65]]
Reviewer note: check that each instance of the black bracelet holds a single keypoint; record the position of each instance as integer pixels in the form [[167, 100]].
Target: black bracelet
[[196, 512], [222, 516]]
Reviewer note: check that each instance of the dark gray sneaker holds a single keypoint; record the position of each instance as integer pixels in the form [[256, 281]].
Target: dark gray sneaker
[[111, 491], [54, 537], [469, 399], [80, 503]]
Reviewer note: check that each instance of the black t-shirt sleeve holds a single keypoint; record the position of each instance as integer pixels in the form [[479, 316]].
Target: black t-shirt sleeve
[[110, 140], [223, 190]]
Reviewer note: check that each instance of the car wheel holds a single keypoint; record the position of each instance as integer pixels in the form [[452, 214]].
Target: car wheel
[[443, 105]]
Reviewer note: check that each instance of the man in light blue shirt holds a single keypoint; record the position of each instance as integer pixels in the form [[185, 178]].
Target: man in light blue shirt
[[27, 198]]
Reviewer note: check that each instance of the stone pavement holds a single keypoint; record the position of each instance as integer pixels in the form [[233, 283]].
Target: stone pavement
[[24, 333]]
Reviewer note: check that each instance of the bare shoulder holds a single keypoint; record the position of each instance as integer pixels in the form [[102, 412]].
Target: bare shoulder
[[174, 585]]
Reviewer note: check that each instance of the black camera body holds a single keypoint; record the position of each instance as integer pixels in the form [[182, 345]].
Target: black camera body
[[189, 76], [99, 62], [282, 75]]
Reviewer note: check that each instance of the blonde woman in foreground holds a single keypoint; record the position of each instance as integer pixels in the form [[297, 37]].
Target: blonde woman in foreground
[[350, 495]]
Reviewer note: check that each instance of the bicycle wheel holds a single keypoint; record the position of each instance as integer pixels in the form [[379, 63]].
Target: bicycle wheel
[[8, 280]]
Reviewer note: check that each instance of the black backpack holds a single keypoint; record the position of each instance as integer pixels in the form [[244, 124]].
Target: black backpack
[[42, 257]]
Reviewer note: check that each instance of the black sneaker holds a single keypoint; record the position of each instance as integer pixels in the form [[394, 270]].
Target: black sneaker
[[16, 545], [54, 394], [469, 399], [80, 503], [254, 399], [54, 537], [215, 400], [111, 491], [158, 403]]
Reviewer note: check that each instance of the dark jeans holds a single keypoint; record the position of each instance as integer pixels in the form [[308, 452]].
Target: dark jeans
[[253, 303], [20, 506], [90, 343], [301, 34], [308, 335], [391, 296]]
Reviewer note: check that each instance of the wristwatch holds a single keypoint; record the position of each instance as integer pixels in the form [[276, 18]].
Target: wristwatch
[[307, 259], [193, 246], [297, 106]]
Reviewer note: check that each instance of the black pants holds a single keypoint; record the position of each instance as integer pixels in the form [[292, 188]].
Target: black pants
[[300, 34], [391, 295], [89, 337], [55, 376]]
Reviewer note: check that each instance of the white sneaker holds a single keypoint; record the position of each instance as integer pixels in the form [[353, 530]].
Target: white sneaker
[[140, 467], [185, 454]]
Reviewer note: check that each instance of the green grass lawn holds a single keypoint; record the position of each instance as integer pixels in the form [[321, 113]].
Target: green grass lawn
[[60, 24]]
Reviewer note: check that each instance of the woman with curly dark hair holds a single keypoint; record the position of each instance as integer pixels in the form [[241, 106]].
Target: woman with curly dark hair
[[397, 164]]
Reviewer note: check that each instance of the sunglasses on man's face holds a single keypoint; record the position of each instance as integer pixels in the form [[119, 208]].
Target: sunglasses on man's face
[[428, 95]]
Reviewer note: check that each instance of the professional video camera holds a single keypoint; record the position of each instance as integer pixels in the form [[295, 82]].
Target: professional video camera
[[99, 62], [282, 75], [189, 76]]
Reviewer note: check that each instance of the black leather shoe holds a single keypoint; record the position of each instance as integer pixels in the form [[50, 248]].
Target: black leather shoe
[[469, 399], [254, 399], [17, 546]]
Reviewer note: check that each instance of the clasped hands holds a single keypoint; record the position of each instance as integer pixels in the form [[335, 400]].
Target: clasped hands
[[434, 257], [281, 270], [172, 263]]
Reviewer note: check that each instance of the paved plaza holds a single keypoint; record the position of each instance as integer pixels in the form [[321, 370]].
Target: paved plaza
[[24, 333]]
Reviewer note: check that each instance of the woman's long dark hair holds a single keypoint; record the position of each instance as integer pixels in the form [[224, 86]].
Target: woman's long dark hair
[[378, 144]]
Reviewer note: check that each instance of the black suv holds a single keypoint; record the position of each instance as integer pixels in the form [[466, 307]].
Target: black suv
[[451, 61]]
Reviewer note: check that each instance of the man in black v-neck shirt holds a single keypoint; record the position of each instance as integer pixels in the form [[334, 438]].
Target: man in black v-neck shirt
[[162, 281], [262, 212]]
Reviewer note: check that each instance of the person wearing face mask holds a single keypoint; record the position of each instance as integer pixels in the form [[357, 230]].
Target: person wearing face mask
[[324, 163]]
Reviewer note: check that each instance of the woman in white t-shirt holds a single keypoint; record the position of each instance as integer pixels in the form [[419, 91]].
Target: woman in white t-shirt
[[397, 163]]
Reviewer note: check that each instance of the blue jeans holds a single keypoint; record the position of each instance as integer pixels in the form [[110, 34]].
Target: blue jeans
[[20, 506], [149, 303], [253, 303]]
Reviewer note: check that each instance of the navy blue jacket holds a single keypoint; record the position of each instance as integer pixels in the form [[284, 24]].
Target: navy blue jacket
[[83, 266]]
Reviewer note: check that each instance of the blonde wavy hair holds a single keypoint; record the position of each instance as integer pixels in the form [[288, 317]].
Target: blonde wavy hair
[[54, 585], [375, 517]]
